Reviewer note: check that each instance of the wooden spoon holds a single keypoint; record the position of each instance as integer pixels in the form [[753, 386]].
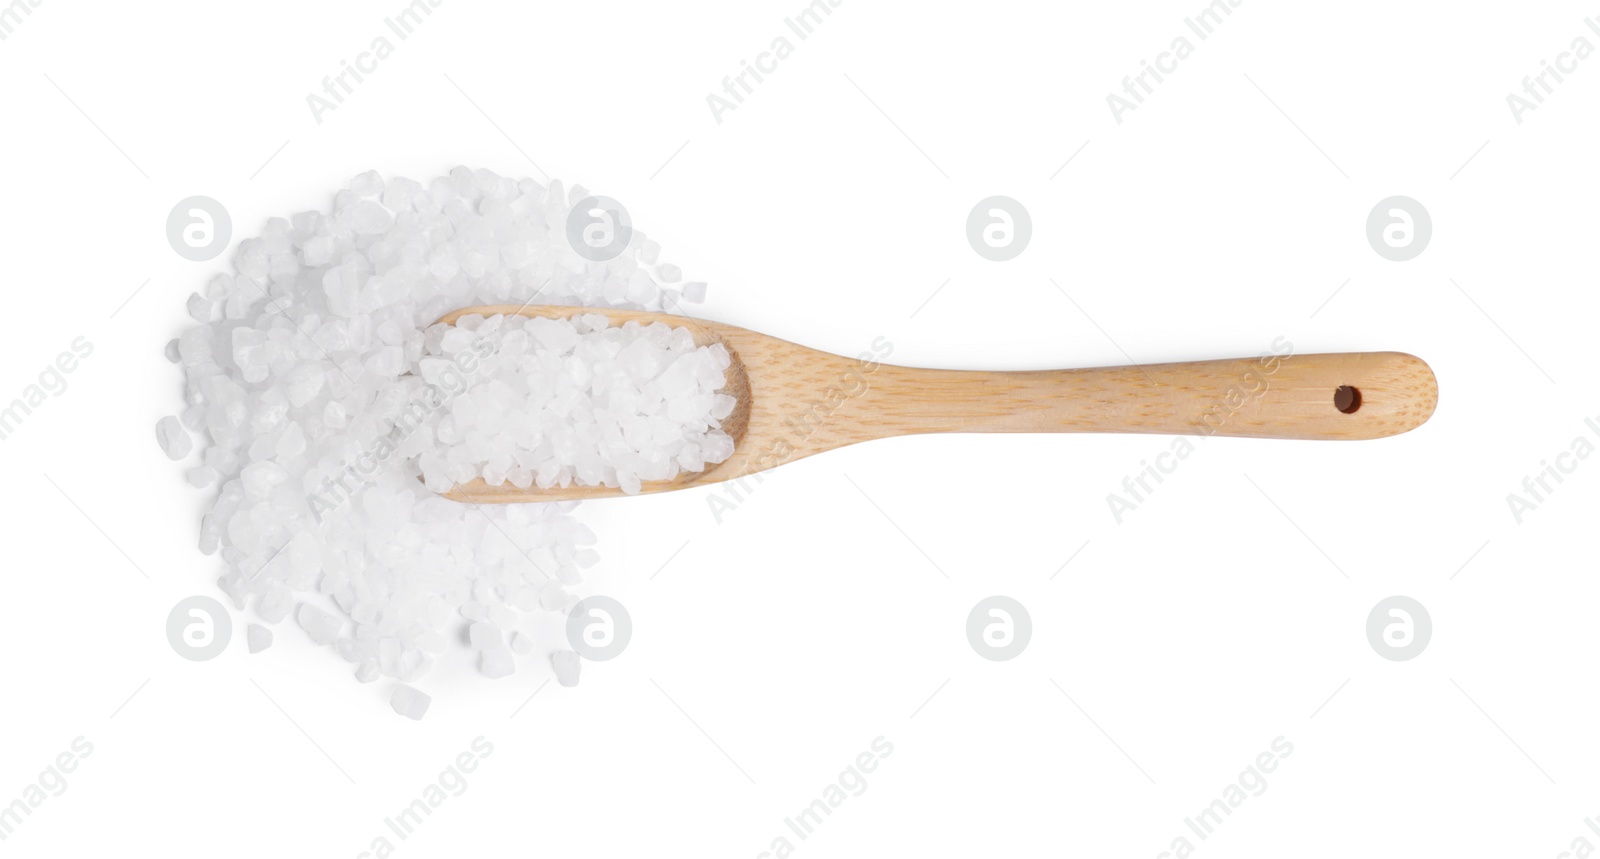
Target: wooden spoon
[[794, 401]]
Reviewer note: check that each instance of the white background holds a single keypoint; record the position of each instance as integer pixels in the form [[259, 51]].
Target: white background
[[1228, 610]]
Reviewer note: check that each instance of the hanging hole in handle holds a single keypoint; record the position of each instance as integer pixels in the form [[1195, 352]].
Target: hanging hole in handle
[[1347, 399]]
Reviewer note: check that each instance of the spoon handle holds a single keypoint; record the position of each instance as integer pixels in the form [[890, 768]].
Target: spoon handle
[[1350, 395]]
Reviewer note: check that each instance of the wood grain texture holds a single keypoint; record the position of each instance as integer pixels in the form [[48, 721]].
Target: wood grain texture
[[795, 401]]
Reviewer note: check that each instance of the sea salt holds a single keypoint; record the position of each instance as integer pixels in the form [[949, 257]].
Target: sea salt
[[483, 635], [174, 440], [324, 396], [409, 702], [367, 671], [565, 663], [497, 662], [576, 401], [320, 625]]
